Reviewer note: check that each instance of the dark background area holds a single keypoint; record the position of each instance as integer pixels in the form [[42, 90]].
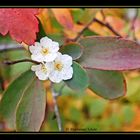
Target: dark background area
[[62, 3]]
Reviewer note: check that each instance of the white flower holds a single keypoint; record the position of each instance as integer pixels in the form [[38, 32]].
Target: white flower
[[61, 68], [42, 71], [45, 51], [54, 65]]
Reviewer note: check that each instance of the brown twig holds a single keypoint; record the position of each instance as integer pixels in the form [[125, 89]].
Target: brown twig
[[20, 61], [82, 31], [107, 25]]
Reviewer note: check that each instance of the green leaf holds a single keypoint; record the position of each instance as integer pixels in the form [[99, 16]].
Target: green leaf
[[11, 72], [31, 109], [5, 39], [12, 96], [19, 68], [75, 50], [109, 53], [57, 37], [76, 14], [79, 80], [88, 32], [107, 84], [87, 15]]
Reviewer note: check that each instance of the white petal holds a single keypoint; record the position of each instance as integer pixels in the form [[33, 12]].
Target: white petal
[[36, 67], [50, 57], [35, 49], [41, 75], [59, 54], [37, 57], [58, 58], [66, 60], [49, 66], [54, 46], [46, 42], [55, 77], [67, 73]]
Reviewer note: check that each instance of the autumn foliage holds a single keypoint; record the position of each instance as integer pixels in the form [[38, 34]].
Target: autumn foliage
[[22, 24], [102, 89]]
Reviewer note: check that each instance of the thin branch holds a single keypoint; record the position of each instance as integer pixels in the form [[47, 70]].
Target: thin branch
[[82, 31], [19, 61], [107, 25], [56, 110], [10, 47]]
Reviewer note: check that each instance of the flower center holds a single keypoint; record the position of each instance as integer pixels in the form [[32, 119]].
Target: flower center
[[58, 66], [45, 51], [44, 69]]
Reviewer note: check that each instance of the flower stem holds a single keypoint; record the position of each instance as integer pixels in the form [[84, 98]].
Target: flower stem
[[19, 61], [56, 110]]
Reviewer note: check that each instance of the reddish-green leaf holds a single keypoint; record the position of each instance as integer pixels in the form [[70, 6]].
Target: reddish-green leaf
[[25, 99], [107, 84], [21, 23], [31, 109], [12, 96], [110, 53]]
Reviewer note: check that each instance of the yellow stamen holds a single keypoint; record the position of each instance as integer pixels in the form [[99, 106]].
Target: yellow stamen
[[58, 66], [44, 51], [43, 68]]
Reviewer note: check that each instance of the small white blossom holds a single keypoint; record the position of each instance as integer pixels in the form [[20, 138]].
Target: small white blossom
[[42, 71], [61, 68], [45, 51]]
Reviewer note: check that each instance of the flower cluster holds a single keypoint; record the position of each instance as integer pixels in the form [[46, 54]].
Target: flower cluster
[[53, 65]]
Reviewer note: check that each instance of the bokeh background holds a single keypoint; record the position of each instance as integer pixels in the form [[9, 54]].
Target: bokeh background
[[81, 110]]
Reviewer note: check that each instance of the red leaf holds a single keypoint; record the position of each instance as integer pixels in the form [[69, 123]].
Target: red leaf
[[21, 24], [110, 53], [107, 84]]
